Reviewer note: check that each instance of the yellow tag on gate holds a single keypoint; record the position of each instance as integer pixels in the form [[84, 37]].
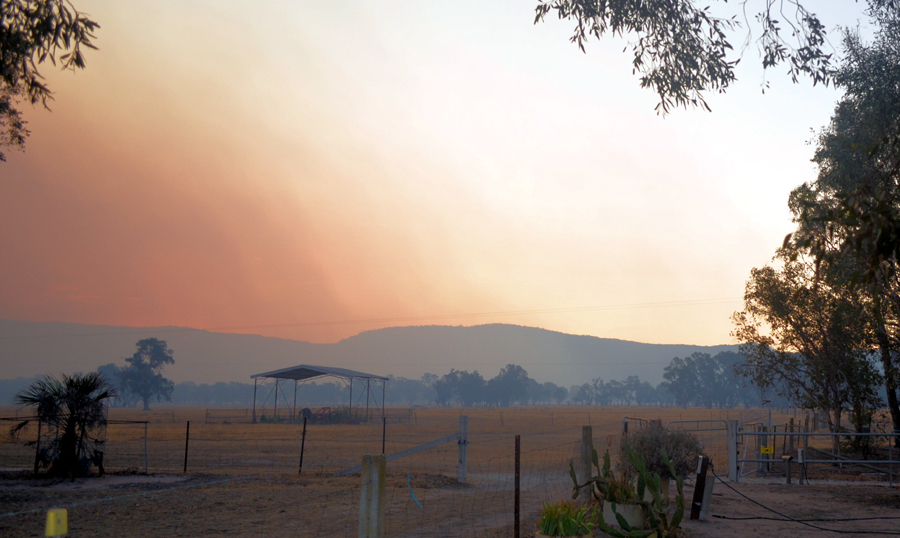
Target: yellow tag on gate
[[57, 522], [767, 449]]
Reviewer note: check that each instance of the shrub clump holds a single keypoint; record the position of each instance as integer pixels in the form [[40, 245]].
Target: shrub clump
[[649, 443], [564, 518]]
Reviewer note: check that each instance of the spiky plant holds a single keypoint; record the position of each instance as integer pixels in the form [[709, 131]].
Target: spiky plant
[[73, 407]]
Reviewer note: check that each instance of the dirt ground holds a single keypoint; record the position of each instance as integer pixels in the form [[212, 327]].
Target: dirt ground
[[808, 502], [244, 481]]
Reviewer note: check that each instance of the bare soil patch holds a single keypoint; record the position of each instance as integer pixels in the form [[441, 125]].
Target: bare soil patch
[[807, 502]]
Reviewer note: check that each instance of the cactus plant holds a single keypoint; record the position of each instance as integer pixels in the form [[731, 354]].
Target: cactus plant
[[604, 486], [649, 495]]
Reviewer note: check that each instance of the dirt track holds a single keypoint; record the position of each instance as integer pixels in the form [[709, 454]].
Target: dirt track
[[827, 501]]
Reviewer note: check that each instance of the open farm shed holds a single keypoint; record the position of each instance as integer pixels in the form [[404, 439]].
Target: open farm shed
[[304, 372]]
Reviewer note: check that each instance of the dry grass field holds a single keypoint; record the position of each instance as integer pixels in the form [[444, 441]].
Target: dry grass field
[[243, 479]]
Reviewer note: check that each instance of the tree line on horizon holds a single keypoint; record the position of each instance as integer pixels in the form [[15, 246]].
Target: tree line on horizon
[[697, 380]]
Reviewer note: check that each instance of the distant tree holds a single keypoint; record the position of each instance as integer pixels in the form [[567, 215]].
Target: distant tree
[[73, 407], [470, 389], [510, 385], [429, 378], [663, 396], [708, 381], [113, 374], [599, 392], [619, 393], [466, 388], [560, 395], [644, 393], [31, 32], [143, 376], [446, 387], [409, 391], [547, 391], [581, 394], [681, 380]]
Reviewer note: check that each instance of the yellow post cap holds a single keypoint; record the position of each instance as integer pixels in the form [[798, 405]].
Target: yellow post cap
[[57, 522]]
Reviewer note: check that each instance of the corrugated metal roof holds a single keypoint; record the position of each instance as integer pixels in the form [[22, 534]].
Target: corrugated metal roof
[[305, 371]]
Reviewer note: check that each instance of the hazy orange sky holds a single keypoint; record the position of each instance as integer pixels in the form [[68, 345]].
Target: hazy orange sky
[[268, 167]]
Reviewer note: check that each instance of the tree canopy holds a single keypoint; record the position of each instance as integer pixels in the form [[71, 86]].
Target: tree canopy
[[709, 381], [32, 32], [143, 376], [682, 51], [849, 218], [807, 339]]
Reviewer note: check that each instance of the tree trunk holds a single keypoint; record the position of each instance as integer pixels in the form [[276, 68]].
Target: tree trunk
[[890, 373], [887, 363], [835, 428]]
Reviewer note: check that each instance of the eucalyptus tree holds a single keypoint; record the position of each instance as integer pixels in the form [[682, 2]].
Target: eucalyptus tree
[[465, 387], [143, 375], [806, 338], [849, 218], [683, 51], [31, 33]]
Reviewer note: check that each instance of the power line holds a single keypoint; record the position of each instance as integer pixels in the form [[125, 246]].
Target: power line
[[370, 321]]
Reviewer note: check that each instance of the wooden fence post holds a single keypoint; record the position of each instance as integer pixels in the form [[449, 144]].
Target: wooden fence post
[[517, 490], [371, 500], [187, 438], [584, 464], [302, 445], [733, 450], [146, 465], [463, 444]]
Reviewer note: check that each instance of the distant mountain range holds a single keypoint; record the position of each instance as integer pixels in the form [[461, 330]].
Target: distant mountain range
[[33, 348]]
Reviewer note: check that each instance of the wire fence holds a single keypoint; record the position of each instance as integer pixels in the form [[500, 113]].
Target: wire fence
[[423, 496], [247, 478]]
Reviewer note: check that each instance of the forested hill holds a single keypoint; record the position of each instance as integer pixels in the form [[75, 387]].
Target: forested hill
[[31, 348]]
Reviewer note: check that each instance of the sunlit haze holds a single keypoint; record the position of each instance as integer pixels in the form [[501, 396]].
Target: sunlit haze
[[311, 170]]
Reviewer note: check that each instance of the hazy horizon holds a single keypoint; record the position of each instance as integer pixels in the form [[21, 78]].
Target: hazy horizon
[[35, 348]]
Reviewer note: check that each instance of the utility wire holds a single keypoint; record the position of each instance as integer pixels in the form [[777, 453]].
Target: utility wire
[[800, 521]]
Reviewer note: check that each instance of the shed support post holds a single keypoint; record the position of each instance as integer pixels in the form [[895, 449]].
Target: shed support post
[[371, 500], [254, 399], [294, 409], [275, 416]]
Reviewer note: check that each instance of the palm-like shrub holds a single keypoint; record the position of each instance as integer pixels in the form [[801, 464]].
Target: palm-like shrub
[[72, 408]]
